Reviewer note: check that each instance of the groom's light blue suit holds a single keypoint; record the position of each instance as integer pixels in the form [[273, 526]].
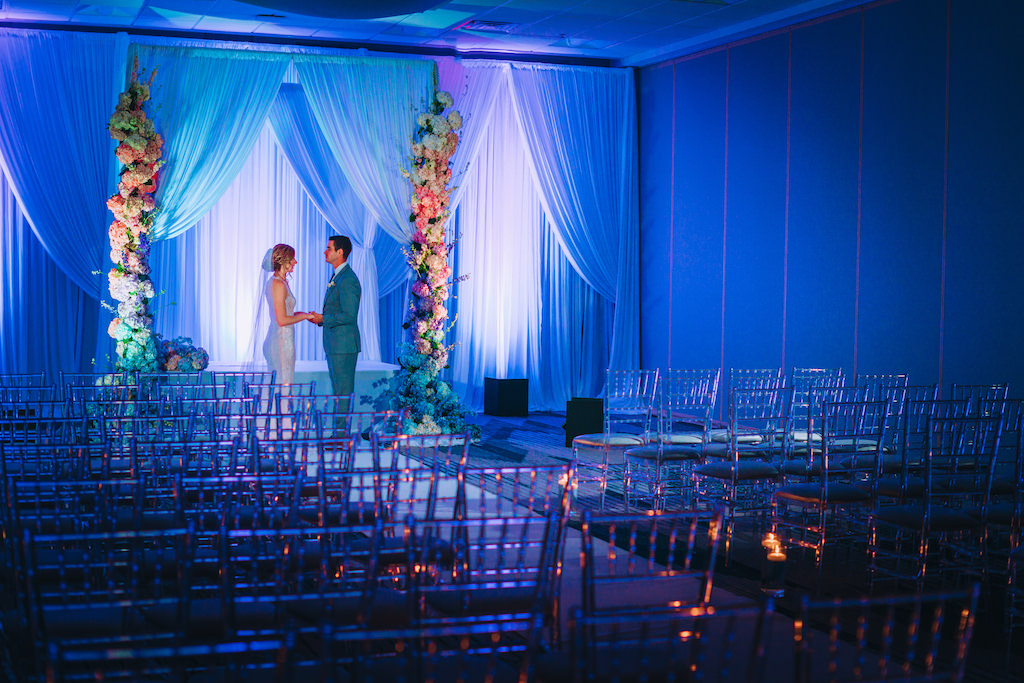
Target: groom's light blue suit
[[341, 329]]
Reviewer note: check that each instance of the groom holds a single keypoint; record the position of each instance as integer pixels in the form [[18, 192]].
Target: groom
[[341, 306]]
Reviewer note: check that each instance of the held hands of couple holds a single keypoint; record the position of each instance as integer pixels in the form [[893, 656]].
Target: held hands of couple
[[315, 317]]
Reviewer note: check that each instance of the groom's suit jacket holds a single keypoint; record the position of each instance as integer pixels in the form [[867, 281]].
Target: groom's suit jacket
[[341, 307]]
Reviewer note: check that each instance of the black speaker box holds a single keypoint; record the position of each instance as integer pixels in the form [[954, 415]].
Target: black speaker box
[[583, 416], [506, 397]]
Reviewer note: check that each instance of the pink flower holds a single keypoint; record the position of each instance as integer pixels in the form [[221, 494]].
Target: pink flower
[[422, 346], [127, 154]]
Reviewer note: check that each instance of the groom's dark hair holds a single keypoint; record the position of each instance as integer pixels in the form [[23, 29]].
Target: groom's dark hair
[[342, 242]]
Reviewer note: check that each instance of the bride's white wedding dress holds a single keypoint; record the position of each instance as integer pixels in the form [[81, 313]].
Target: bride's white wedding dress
[[279, 347]]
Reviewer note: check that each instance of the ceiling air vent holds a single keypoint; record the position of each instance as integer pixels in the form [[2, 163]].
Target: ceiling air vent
[[488, 26]]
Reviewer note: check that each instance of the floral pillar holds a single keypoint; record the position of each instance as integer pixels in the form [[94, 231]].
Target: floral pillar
[[433, 406], [133, 209]]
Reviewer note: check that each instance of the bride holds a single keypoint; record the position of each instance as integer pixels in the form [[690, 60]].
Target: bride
[[279, 347]]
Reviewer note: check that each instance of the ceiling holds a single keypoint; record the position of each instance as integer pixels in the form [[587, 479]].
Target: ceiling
[[616, 32]]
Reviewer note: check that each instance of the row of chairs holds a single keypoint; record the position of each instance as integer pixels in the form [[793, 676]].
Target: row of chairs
[[230, 537], [129, 400], [444, 610], [219, 420], [897, 639], [662, 424], [886, 466]]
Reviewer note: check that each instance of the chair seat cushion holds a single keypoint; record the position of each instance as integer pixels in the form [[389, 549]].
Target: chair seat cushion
[[800, 435], [388, 608], [799, 467], [961, 483], [849, 443], [745, 470], [998, 513], [611, 440], [810, 493], [891, 462], [679, 438], [892, 487], [744, 451], [668, 453], [912, 517], [482, 601], [354, 512], [1004, 483], [722, 436]]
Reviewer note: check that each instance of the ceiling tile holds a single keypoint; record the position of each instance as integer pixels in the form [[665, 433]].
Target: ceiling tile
[[437, 19], [209, 23], [155, 17], [270, 28], [43, 10]]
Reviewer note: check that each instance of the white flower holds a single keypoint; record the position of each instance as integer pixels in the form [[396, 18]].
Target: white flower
[[433, 143], [455, 120], [439, 125], [443, 98], [422, 120]]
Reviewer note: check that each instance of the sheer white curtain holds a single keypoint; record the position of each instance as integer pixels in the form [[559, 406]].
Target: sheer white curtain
[[367, 108], [209, 105], [500, 221], [211, 274], [579, 124], [475, 85], [58, 90], [523, 311], [304, 144]]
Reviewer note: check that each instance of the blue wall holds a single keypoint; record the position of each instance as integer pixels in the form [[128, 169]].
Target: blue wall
[[802, 205]]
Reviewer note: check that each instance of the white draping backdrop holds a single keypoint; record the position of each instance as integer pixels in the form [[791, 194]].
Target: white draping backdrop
[[545, 171]]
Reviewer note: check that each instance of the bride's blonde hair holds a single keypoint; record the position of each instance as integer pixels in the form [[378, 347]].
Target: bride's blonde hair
[[280, 255]]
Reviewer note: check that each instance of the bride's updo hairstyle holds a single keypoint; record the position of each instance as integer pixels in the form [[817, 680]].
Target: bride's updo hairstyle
[[280, 255]]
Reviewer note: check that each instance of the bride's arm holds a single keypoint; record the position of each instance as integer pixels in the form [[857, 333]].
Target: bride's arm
[[277, 292]]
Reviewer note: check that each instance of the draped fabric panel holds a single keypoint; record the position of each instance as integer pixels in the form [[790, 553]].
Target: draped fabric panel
[[367, 108], [209, 105], [306, 148], [57, 92], [47, 322], [579, 125], [475, 87], [523, 311], [310, 155]]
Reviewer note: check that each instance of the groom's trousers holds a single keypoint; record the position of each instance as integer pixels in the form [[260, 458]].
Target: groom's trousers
[[342, 367]]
